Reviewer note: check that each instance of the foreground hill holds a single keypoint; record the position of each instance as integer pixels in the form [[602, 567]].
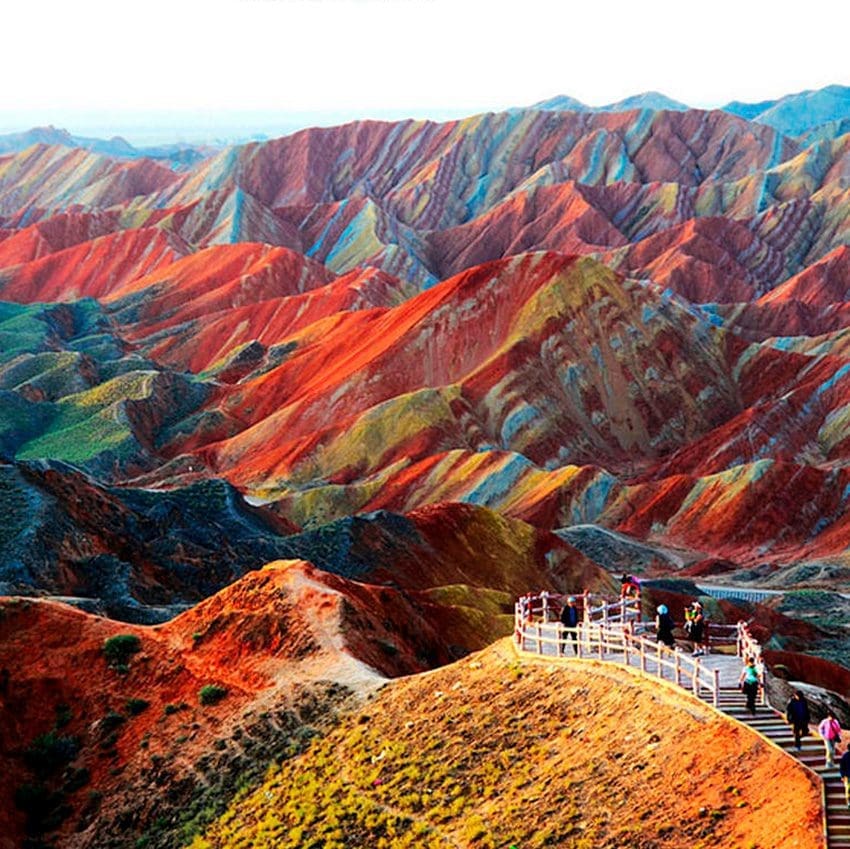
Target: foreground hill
[[286, 638], [491, 752], [93, 738]]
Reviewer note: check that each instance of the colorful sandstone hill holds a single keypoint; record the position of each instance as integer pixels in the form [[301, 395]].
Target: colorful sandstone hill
[[259, 319], [438, 365]]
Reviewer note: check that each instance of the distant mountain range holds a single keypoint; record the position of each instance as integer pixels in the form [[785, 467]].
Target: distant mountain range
[[178, 154], [261, 315], [647, 100], [796, 114], [792, 115], [823, 113]]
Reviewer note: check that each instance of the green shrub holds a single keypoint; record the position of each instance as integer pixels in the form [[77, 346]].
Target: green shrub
[[136, 706], [63, 715], [44, 809], [119, 649], [76, 778], [111, 721], [51, 751], [31, 797], [211, 694]]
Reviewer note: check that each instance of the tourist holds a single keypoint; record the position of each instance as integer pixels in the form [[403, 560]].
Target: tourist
[[830, 730], [570, 620], [629, 587], [797, 715], [664, 626], [706, 627], [844, 772], [695, 625], [750, 682]]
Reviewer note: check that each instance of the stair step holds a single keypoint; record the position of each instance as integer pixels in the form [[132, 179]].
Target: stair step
[[772, 726]]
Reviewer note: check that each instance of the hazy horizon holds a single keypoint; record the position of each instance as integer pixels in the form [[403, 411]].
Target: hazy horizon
[[143, 128]]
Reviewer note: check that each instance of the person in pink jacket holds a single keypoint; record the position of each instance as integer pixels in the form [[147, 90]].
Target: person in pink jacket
[[830, 730]]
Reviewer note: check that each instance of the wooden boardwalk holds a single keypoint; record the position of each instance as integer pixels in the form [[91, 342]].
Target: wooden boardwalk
[[712, 677], [657, 663]]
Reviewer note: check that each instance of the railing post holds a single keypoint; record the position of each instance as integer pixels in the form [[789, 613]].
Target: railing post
[[678, 669], [716, 692], [695, 682], [539, 638], [642, 650]]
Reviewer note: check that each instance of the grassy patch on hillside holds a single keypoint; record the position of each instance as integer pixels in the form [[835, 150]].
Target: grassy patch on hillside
[[492, 752], [21, 329], [91, 422]]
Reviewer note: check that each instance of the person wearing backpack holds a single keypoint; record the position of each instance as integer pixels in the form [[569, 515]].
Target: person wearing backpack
[[664, 626], [797, 716], [697, 628], [830, 730]]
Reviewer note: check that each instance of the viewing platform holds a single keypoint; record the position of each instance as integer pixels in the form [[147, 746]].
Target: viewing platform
[[614, 632]]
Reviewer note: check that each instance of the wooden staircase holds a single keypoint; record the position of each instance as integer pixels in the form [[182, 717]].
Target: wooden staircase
[[610, 633], [772, 725]]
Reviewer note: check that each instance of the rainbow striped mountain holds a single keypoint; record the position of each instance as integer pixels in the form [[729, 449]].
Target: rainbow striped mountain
[[281, 421], [625, 325]]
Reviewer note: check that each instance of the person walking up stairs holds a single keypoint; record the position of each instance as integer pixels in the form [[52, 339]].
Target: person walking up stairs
[[772, 725]]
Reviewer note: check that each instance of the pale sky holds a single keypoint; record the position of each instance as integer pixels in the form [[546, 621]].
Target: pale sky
[[198, 65]]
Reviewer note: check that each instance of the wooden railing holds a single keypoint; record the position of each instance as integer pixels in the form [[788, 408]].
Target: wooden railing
[[611, 612], [546, 607], [614, 628], [747, 646]]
